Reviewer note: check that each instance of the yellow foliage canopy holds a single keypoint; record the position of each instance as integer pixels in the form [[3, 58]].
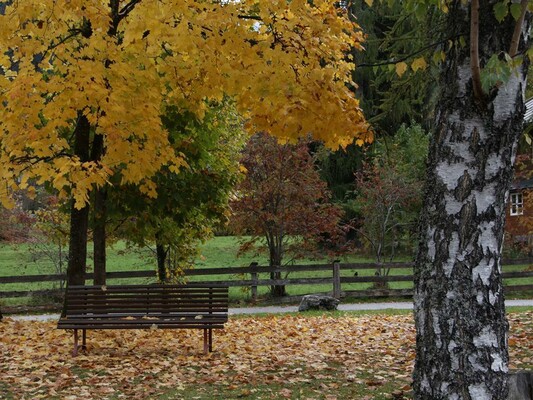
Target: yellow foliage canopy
[[121, 62]]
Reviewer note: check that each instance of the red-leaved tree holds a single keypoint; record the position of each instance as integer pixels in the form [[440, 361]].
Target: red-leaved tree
[[283, 203]]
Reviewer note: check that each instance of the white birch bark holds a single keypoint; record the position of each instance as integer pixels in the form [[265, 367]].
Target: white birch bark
[[459, 301]]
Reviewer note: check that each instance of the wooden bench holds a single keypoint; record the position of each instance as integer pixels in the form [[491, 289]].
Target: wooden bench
[[191, 306]]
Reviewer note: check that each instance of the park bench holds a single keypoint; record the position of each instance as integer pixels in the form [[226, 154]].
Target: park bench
[[191, 306]]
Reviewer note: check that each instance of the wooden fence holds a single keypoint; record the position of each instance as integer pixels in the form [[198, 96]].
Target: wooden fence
[[338, 276]]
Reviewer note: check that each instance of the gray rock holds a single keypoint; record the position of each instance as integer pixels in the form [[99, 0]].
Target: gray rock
[[318, 302], [520, 385]]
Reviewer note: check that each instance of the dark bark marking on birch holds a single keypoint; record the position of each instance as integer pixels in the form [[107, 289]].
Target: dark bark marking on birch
[[464, 187], [474, 141], [467, 224]]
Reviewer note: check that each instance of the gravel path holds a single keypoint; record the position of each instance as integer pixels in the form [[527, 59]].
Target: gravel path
[[281, 309], [356, 307]]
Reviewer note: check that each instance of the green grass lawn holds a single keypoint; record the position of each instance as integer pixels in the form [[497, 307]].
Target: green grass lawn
[[219, 252]]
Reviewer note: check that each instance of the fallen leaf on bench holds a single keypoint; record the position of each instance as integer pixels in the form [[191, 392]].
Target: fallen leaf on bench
[[104, 288], [130, 317], [153, 327], [182, 319], [198, 317]]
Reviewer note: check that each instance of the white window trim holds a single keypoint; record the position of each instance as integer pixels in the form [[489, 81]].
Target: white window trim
[[516, 204]]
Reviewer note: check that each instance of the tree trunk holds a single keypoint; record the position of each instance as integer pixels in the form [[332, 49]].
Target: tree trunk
[[277, 290], [461, 348], [77, 258], [99, 236], [79, 218], [99, 219], [275, 261], [161, 253]]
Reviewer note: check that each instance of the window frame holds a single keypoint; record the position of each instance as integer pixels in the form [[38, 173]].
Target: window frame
[[516, 204]]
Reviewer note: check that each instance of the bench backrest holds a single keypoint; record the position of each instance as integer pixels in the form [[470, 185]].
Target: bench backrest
[[146, 299]]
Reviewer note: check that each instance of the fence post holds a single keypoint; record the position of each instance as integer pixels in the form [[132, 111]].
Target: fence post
[[336, 279], [253, 265]]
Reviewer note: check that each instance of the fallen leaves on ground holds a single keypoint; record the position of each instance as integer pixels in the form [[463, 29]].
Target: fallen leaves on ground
[[281, 351]]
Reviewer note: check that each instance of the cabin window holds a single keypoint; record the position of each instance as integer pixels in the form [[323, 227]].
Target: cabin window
[[517, 204]]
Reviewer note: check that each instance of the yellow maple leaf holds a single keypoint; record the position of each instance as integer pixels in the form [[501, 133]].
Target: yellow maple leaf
[[401, 67], [419, 63]]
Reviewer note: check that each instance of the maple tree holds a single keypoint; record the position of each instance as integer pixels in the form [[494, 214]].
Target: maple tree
[[283, 202], [84, 84]]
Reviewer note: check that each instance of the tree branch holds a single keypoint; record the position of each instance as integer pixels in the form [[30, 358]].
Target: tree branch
[[128, 8], [408, 56], [118, 15], [52, 46], [114, 5], [474, 50], [30, 160], [254, 17], [515, 41]]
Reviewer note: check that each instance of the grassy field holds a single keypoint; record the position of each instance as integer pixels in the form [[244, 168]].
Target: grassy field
[[219, 252]]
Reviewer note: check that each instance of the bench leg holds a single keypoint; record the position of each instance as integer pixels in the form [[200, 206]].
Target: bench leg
[[84, 339], [206, 347], [75, 350], [210, 340]]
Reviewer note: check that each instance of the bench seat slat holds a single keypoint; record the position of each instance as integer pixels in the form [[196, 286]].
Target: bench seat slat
[[117, 325], [97, 292], [155, 286], [154, 306], [172, 303], [144, 310], [112, 297], [150, 306], [100, 321], [143, 316], [154, 290], [146, 294]]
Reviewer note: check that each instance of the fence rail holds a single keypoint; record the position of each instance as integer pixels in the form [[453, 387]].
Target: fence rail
[[249, 276]]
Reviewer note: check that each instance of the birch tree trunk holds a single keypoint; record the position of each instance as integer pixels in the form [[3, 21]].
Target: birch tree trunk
[[459, 300]]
